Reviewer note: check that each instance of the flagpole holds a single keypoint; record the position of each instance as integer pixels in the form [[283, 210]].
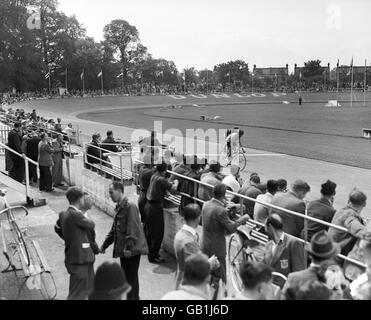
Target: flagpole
[[66, 80], [101, 80], [351, 85], [207, 81], [337, 83], [83, 82], [50, 84], [364, 85]]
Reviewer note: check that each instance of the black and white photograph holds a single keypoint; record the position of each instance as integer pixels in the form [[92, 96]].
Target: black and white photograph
[[204, 152]]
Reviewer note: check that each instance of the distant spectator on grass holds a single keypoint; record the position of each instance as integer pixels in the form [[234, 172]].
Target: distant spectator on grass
[[211, 177], [261, 211], [321, 209], [249, 189], [351, 219], [292, 200]]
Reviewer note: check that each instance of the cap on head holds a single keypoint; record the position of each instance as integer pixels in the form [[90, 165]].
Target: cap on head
[[357, 197]]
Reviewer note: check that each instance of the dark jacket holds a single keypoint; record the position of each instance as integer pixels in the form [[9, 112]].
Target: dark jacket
[[94, 152], [78, 233], [288, 256], [216, 224], [15, 142], [319, 209], [126, 232], [33, 148], [251, 192], [108, 145], [291, 224]]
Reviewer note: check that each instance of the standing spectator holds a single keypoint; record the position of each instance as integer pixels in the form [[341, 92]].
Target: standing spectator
[[33, 154], [211, 177], [58, 126], [76, 230], [110, 283], [361, 287], [322, 251], [350, 218], [154, 211], [196, 280], [144, 178], [261, 212], [292, 200], [15, 143], [216, 225], [257, 281], [182, 168], [284, 253], [190, 187], [45, 161], [249, 189], [58, 156], [127, 237], [321, 209], [70, 133], [187, 241], [33, 115]]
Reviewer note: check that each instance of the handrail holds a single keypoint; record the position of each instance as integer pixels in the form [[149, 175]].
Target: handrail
[[356, 262], [18, 154]]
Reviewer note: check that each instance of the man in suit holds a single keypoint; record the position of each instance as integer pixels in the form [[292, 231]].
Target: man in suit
[[284, 253], [110, 143], [292, 200], [45, 160], [15, 143], [127, 236], [322, 251], [212, 177], [187, 241], [32, 151], [321, 209], [216, 225], [78, 233]]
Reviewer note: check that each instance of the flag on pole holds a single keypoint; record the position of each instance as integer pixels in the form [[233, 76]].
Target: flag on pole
[[120, 75], [99, 74], [82, 74], [350, 68], [47, 75], [337, 64]]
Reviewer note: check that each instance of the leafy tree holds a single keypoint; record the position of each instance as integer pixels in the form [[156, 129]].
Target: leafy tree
[[232, 71]]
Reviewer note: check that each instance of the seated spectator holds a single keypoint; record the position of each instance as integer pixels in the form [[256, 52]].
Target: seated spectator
[[70, 134], [360, 288], [211, 177], [281, 185], [93, 152], [110, 283], [322, 251], [58, 126], [350, 218], [196, 280], [292, 200], [187, 241], [233, 180], [314, 290], [261, 212], [257, 281], [189, 187], [283, 252], [249, 189], [109, 143], [321, 209]]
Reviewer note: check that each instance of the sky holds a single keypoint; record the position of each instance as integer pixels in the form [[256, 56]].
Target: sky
[[203, 33]]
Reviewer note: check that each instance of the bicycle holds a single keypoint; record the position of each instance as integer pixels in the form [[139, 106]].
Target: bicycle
[[237, 157], [19, 244], [247, 244]]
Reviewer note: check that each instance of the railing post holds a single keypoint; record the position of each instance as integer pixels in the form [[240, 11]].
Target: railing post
[[27, 176], [195, 195], [122, 181], [306, 233]]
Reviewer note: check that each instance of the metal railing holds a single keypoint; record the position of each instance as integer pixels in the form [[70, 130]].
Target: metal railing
[[243, 197], [103, 164], [26, 162]]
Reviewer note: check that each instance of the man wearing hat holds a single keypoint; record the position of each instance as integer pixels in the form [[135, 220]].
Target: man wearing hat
[[322, 251]]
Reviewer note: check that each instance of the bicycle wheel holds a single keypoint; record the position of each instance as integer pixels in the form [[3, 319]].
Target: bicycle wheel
[[235, 259], [22, 247], [243, 161]]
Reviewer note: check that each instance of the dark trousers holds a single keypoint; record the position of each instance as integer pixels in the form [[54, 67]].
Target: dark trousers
[[142, 200], [131, 267], [81, 280], [217, 274], [45, 178], [17, 170], [32, 172], [155, 228]]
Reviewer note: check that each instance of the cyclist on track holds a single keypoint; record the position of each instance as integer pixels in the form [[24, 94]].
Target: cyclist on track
[[233, 142]]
